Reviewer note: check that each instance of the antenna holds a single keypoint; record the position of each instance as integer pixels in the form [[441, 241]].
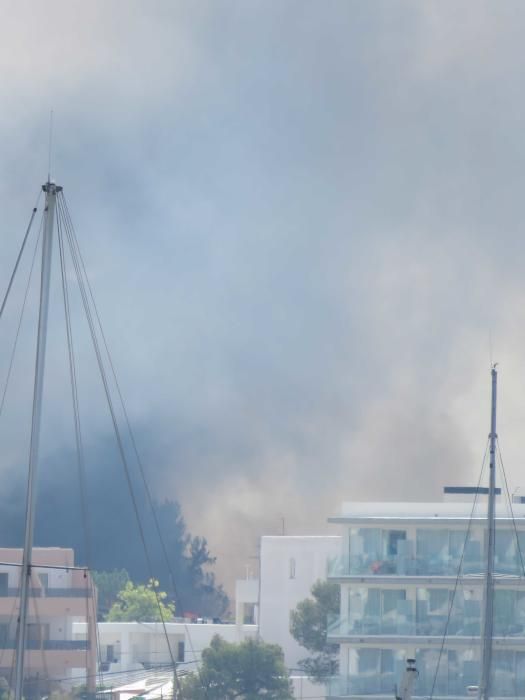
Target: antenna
[[50, 146]]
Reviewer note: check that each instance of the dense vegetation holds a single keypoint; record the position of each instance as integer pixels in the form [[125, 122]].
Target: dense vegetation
[[109, 538], [242, 671]]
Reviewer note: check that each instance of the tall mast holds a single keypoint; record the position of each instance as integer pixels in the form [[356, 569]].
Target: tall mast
[[488, 616], [51, 191]]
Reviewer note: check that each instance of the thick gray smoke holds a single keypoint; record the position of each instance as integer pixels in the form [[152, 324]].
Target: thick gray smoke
[[302, 223]]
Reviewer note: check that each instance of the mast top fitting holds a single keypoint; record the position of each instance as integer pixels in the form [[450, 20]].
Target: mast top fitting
[[52, 188]]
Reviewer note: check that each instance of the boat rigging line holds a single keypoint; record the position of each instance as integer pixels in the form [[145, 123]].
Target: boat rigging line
[[20, 253], [56, 212], [459, 574], [66, 226], [20, 318], [64, 209], [78, 439]]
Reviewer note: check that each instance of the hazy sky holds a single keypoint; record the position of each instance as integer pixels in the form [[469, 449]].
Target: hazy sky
[[303, 222]]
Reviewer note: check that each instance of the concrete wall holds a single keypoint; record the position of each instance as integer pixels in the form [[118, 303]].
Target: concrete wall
[[137, 645], [290, 565]]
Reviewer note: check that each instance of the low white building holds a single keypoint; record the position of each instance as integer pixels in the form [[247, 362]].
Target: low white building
[[127, 647]]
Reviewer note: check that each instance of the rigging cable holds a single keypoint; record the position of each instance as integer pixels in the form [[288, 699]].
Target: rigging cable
[[131, 433], [518, 544], [13, 351], [118, 437], [520, 553], [20, 253], [78, 435], [459, 574]]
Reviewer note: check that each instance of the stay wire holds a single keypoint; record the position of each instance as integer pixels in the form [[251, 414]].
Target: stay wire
[[74, 394], [459, 574], [130, 431], [116, 429], [520, 553], [79, 445], [128, 423], [20, 253], [78, 430], [20, 319], [132, 435]]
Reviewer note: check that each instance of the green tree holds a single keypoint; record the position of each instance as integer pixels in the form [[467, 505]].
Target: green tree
[[141, 604], [251, 669], [309, 626], [109, 584]]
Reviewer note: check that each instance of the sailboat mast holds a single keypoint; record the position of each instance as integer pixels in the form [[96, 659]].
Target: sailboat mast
[[488, 617], [51, 191]]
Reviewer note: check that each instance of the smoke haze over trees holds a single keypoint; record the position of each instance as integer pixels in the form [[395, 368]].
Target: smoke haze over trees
[[110, 539]]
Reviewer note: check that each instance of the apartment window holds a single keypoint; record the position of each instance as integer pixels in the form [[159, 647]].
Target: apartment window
[[4, 634], [4, 582], [292, 568], [180, 652]]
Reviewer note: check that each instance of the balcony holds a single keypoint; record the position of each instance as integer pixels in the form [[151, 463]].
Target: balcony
[[409, 626], [365, 684], [380, 671], [404, 565], [439, 551]]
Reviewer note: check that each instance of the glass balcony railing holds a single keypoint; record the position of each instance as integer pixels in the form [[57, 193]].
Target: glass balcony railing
[[432, 626], [363, 684], [446, 673], [433, 551], [401, 565]]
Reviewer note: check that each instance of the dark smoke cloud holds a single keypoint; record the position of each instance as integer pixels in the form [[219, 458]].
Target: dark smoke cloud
[[302, 224]]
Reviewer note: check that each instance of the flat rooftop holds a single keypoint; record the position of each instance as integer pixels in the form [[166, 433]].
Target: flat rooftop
[[412, 511]]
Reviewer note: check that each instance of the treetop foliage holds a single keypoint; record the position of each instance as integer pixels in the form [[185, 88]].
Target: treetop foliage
[[141, 604], [245, 671]]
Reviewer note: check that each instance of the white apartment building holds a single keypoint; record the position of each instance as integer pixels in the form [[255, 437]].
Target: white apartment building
[[411, 572]]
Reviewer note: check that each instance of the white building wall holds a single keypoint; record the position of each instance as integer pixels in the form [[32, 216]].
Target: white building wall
[[290, 565], [136, 643]]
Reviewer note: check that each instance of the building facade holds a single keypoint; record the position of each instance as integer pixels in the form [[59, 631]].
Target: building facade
[[412, 580], [290, 565], [60, 596], [129, 647]]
